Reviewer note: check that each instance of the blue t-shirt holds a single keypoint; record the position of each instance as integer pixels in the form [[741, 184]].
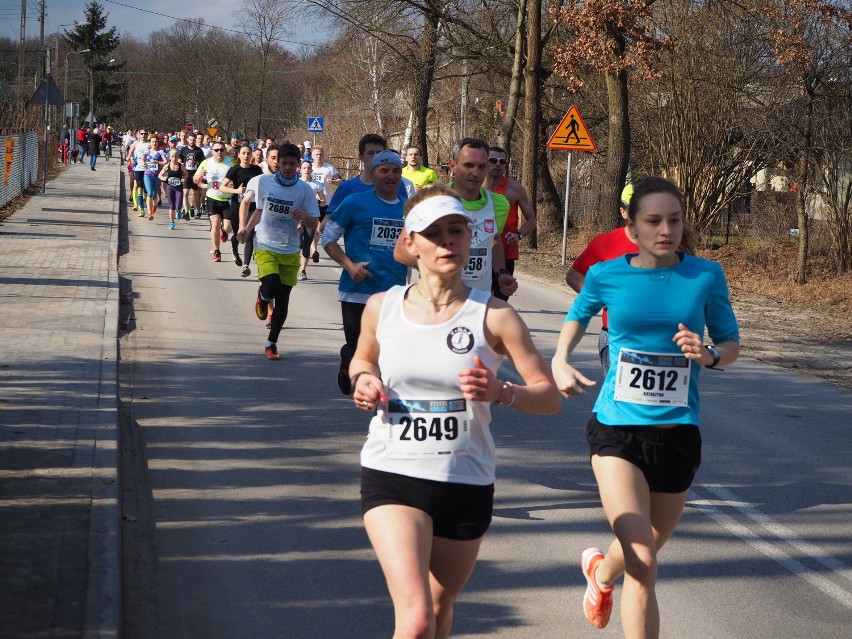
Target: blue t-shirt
[[644, 308], [371, 227], [152, 163], [355, 185]]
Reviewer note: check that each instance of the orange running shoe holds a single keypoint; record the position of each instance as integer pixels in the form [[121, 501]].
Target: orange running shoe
[[272, 352], [260, 306], [597, 602]]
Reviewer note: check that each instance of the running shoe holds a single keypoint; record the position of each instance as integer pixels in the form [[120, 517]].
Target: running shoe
[[179, 215], [237, 259], [343, 381], [269, 324], [222, 235], [315, 256], [302, 276], [151, 215], [141, 212], [272, 352], [134, 207], [260, 307], [191, 211], [171, 226], [597, 602], [217, 256], [246, 271]]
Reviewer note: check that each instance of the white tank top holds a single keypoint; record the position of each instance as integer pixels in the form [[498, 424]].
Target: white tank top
[[429, 430], [478, 272]]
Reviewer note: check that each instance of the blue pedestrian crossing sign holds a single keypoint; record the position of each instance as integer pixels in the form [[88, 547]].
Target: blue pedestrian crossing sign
[[315, 125]]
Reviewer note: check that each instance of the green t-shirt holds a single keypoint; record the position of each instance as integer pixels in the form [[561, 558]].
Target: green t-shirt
[[501, 206], [421, 177]]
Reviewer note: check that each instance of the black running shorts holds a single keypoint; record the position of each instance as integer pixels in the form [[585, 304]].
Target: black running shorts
[[458, 511], [667, 457]]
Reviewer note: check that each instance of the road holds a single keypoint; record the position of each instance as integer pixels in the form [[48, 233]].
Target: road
[[240, 481]]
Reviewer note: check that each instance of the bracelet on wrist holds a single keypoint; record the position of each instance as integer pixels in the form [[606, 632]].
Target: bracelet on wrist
[[511, 388], [354, 379]]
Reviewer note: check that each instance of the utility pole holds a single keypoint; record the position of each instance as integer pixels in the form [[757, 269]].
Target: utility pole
[[42, 69], [21, 47]]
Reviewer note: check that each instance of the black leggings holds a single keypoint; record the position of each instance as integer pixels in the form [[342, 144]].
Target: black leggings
[[271, 288], [248, 251], [351, 330], [306, 240]]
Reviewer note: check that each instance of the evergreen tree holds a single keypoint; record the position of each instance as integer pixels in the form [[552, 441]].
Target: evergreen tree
[[93, 35]]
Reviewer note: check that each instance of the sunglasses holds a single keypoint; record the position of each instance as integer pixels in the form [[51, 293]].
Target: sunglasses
[[217, 150], [497, 160]]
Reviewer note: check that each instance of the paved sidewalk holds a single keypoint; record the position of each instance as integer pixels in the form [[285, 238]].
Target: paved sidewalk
[[59, 511]]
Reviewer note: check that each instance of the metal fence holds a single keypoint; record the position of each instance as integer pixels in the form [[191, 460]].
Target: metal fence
[[20, 164]]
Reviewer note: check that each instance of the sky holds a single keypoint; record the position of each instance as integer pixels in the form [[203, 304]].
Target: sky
[[125, 15]]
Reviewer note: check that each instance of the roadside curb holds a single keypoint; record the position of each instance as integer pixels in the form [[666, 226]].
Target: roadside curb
[[103, 601]]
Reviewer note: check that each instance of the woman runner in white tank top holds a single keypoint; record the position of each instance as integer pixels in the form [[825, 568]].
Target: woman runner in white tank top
[[426, 365]]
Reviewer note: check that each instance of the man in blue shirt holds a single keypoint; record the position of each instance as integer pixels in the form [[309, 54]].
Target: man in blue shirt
[[369, 222], [368, 146]]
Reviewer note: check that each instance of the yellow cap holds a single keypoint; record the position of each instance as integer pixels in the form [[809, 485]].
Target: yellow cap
[[626, 194]]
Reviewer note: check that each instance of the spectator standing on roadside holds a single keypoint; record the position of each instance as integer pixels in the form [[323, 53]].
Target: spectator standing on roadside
[[94, 140], [82, 141]]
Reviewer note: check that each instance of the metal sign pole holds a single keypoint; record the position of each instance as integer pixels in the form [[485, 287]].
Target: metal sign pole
[[567, 208]]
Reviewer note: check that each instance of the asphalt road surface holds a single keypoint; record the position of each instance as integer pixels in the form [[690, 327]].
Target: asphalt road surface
[[240, 480]]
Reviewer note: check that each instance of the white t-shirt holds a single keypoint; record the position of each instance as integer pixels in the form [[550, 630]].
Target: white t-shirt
[[316, 188], [214, 173], [277, 230], [319, 176]]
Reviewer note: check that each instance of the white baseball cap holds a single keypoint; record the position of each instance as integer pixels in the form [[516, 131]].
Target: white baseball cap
[[307, 144], [425, 213]]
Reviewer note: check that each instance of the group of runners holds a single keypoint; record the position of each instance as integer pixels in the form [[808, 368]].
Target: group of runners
[[427, 272]]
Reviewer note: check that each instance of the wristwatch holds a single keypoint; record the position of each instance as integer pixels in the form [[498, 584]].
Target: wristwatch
[[715, 353]]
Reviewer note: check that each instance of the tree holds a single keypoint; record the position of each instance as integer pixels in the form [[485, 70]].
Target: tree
[[101, 43], [695, 123], [614, 38], [264, 23], [811, 42]]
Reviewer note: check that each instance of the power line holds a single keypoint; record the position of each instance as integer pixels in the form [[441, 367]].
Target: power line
[[203, 24]]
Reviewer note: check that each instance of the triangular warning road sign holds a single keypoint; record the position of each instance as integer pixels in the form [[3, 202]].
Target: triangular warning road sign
[[315, 126], [571, 134], [47, 93]]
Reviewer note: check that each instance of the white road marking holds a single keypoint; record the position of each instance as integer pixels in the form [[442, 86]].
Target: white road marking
[[730, 499]]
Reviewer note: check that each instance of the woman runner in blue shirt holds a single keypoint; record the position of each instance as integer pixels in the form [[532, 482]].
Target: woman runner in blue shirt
[[643, 436]]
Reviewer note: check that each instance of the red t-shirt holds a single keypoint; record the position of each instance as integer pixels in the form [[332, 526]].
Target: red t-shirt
[[606, 246], [511, 226]]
